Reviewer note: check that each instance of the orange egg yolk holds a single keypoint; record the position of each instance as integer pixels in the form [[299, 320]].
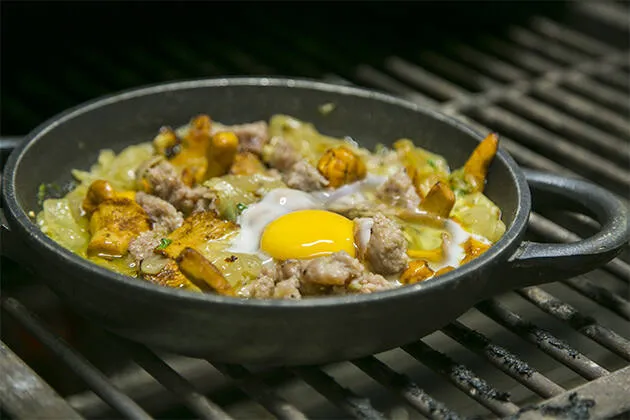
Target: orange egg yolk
[[308, 234]]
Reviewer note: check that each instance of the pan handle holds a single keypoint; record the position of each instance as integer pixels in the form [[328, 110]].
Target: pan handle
[[537, 263], [10, 246]]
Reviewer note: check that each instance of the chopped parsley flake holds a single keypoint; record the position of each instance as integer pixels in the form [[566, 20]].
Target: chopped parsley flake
[[44, 192], [41, 194], [431, 163], [164, 242], [241, 207]]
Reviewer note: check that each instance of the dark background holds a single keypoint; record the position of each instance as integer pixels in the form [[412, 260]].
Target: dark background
[[57, 54]]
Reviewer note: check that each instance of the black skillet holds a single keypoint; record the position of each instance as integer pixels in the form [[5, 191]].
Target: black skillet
[[311, 330]]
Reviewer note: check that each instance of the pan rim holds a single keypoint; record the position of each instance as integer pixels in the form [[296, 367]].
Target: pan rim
[[32, 233]]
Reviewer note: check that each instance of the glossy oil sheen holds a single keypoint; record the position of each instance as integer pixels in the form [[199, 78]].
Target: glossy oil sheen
[[263, 331]]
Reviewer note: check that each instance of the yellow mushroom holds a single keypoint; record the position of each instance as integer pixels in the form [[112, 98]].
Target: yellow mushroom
[[221, 153], [187, 153], [476, 167], [246, 163], [434, 255], [473, 248], [113, 224], [440, 200], [99, 191], [417, 271], [166, 143], [196, 231], [202, 272], [340, 165], [171, 276], [444, 270]]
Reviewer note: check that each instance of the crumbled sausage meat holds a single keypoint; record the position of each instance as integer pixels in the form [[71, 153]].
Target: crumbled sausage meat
[[387, 248], [288, 289], [336, 274], [399, 191], [304, 176], [162, 214], [282, 155], [165, 183], [261, 287], [289, 268], [251, 136], [370, 283], [332, 270], [143, 245]]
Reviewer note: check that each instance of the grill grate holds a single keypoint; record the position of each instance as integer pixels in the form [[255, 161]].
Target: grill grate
[[560, 97]]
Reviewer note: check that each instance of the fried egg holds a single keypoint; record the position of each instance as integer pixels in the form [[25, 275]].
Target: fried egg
[[293, 224]]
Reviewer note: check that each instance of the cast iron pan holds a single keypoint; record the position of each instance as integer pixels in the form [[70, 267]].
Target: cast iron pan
[[311, 330]]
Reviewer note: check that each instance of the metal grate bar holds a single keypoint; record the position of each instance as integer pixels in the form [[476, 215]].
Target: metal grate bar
[[581, 42], [573, 38], [605, 297], [497, 68], [518, 55], [616, 80], [551, 78], [417, 76], [478, 389], [345, 399], [597, 92], [585, 110], [172, 380], [99, 383], [582, 323], [407, 389], [382, 81], [503, 359], [24, 395], [575, 77], [604, 398], [594, 139], [546, 342], [470, 78], [545, 46], [257, 390], [606, 12]]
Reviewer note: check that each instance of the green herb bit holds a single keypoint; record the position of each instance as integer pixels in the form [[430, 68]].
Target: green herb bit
[[45, 191], [240, 207], [164, 242], [41, 194], [431, 163]]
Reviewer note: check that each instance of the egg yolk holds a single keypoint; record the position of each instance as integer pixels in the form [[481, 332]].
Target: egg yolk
[[308, 234]]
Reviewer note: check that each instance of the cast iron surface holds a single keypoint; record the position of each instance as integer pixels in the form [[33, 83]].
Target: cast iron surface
[[289, 332]]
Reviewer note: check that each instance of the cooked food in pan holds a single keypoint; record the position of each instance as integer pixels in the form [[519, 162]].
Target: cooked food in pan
[[276, 210]]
